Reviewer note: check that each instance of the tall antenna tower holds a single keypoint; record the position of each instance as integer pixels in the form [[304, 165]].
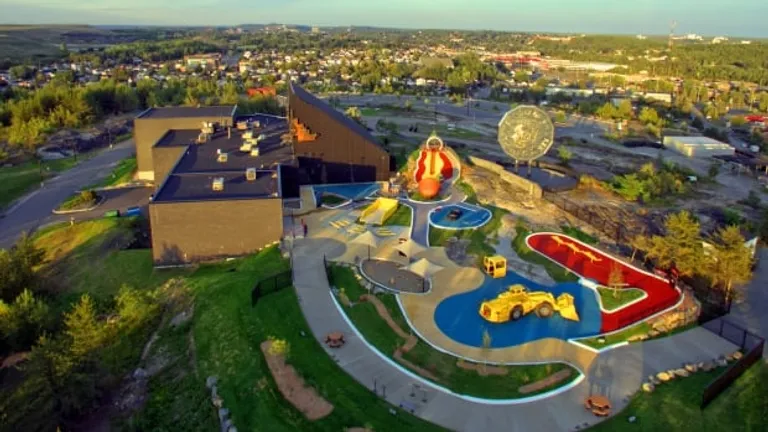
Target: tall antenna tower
[[672, 27]]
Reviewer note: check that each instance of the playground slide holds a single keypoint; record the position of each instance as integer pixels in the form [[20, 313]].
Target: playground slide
[[590, 263], [378, 212], [432, 162]]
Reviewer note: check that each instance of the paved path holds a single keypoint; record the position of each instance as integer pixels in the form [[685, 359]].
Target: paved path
[[616, 374], [748, 310], [34, 209], [420, 233]]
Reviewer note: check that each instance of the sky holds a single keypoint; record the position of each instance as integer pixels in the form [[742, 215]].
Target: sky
[[707, 17]]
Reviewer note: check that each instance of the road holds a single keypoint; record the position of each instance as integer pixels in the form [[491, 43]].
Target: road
[[34, 209]]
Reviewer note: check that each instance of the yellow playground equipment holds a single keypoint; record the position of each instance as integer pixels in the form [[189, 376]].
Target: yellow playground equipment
[[495, 266], [378, 212], [517, 302]]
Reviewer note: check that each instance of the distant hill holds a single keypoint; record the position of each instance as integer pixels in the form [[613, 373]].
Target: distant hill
[[33, 43]]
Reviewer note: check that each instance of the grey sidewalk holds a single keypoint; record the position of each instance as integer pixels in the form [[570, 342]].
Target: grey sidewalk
[[616, 374]]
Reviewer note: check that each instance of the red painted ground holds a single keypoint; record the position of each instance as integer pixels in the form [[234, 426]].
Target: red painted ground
[[427, 165], [661, 295]]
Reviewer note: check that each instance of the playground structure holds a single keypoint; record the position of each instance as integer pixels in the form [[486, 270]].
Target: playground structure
[[517, 302], [433, 167], [495, 266], [378, 212]]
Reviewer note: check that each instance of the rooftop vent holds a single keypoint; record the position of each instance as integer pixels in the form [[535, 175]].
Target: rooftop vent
[[255, 152], [250, 174], [222, 157], [203, 138], [248, 134], [246, 147], [208, 128], [274, 174], [218, 184], [242, 125]]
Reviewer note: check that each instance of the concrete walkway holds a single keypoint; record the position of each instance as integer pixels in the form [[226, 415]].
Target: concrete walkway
[[748, 310], [420, 232], [616, 374]]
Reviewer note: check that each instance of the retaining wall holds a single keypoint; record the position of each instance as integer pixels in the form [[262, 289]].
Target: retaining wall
[[533, 189]]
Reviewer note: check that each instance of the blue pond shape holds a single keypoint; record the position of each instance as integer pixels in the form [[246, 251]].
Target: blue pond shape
[[458, 316], [351, 191], [471, 216]]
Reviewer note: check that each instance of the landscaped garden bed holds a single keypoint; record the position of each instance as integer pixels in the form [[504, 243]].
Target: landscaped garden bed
[[611, 299], [82, 201]]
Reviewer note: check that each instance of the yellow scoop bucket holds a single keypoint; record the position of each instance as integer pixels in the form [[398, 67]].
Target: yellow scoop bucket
[[566, 307]]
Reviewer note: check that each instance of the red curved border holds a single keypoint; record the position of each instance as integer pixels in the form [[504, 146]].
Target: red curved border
[[661, 293]]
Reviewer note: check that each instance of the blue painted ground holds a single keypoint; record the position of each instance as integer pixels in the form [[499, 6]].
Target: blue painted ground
[[471, 217], [458, 318], [351, 191]]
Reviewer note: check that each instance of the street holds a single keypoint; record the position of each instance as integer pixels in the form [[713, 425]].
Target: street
[[35, 209]]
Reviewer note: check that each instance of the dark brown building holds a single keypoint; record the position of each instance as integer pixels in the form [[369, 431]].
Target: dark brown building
[[331, 147], [153, 123], [216, 196]]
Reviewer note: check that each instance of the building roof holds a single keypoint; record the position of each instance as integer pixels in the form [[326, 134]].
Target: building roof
[[331, 112], [701, 141], [199, 187], [224, 111]]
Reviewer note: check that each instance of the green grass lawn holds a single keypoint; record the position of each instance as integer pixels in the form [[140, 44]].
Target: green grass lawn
[[331, 200], [122, 173], [456, 132], [674, 406], [81, 259], [401, 217], [611, 299], [443, 366], [20, 179], [227, 332], [417, 196], [481, 239], [622, 336], [579, 234], [557, 273]]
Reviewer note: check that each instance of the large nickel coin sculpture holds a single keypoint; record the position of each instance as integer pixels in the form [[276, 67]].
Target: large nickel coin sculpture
[[526, 133]]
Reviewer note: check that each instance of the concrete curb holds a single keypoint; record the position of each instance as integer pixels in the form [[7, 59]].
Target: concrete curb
[[66, 212]]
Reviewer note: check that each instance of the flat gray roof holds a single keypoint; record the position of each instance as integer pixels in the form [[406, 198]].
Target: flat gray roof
[[199, 187], [225, 111]]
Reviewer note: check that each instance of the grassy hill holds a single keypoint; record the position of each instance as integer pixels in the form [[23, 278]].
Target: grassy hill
[[32, 43]]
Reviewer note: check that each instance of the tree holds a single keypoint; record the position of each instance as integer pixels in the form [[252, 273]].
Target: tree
[[714, 170], [730, 260], [408, 105], [564, 155], [607, 111], [616, 278], [17, 268], [560, 117], [22, 72], [624, 110], [84, 331], [638, 243], [680, 246], [487, 340], [650, 116], [354, 113]]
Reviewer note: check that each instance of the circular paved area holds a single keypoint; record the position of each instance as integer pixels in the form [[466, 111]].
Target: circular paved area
[[389, 274]]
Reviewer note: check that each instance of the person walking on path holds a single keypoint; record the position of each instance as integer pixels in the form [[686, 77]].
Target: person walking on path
[[305, 229]]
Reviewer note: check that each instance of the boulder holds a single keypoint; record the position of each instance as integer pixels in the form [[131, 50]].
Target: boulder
[[708, 366], [737, 355], [691, 368], [632, 419], [140, 374], [217, 401], [210, 381], [180, 319], [722, 362], [225, 425], [653, 333], [663, 376], [223, 414], [232, 429], [637, 338], [682, 373], [648, 387]]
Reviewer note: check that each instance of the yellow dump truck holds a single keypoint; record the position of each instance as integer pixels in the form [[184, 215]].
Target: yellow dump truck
[[517, 302]]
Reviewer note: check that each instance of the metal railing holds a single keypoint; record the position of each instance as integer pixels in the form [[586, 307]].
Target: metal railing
[[751, 344], [271, 285]]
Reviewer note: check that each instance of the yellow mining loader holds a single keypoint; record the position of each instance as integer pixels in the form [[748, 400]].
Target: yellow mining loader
[[517, 302]]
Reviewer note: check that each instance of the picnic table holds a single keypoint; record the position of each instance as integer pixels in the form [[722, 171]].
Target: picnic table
[[599, 405], [335, 339]]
